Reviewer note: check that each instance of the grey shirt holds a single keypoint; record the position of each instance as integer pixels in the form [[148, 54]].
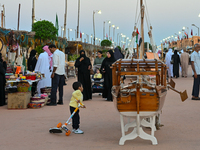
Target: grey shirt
[[98, 61]]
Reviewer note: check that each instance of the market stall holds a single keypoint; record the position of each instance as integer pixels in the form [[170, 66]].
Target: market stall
[[18, 89]]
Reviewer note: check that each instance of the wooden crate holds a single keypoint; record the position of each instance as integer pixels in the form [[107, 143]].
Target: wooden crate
[[18, 100]]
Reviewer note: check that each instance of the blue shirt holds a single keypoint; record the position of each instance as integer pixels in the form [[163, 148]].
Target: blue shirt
[[196, 59]]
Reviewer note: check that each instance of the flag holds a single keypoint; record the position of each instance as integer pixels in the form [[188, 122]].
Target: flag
[[56, 24], [80, 34], [110, 38], [138, 38], [186, 35], [191, 32], [106, 36]]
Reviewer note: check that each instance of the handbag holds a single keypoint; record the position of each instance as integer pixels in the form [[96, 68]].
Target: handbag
[[91, 71]]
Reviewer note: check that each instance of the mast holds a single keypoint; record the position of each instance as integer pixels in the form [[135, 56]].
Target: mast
[[142, 29]]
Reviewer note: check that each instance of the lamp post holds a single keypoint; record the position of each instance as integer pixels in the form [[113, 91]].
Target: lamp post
[[197, 28], [62, 31], [118, 38], [104, 28], [114, 31], [99, 12]]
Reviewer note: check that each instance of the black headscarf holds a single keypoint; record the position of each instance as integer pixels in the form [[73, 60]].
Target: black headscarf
[[175, 52], [112, 58], [82, 55], [32, 60], [83, 65]]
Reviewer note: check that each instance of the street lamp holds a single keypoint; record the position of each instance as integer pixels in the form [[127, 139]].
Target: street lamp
[[196, 27], [91, 38], [199, 15], [104, 27], [99, 12], [62, 29], [114, 31]]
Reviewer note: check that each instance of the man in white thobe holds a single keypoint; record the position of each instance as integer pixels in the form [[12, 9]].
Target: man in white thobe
[[43, 66], [169, 65]]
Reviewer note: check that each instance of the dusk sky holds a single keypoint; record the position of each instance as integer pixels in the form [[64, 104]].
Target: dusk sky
[[166, 16]]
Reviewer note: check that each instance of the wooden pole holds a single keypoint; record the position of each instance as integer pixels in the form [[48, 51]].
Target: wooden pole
[[33, 12], [18, 17], [162, 51], [78, 26], [142, 30], [137, 51], [65, 19], [2, 18]]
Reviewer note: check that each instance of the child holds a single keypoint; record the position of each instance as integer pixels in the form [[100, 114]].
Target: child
[[77, 97], [97, 75]]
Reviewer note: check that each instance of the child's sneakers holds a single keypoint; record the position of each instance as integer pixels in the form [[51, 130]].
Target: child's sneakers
[[78, 131], [73, 130]]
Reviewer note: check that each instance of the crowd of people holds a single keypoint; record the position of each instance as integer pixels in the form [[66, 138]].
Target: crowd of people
[[177, 63]]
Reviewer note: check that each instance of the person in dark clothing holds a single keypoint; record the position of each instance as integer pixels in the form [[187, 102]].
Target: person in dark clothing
[[2, 80], [32, 61], [118, 54], [107, 72], [84, 65], [176, 64]]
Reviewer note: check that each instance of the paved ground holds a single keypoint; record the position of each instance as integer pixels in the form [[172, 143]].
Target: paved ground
[[28, 129]]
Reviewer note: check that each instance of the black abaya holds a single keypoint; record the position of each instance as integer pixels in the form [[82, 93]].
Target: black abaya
[[107, 72], [176, 65], [84, 76], [2, 84], [32, 61]]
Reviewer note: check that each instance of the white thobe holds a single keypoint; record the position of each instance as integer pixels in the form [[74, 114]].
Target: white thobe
[[43, 64], [168, 59]]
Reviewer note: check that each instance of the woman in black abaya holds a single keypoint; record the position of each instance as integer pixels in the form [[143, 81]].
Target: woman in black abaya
[[2, 81], [176, 64], [32, 61], [107, 72], [84, 65]]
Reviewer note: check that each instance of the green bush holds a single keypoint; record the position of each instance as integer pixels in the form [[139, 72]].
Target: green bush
[[106, 43], [44, 30]]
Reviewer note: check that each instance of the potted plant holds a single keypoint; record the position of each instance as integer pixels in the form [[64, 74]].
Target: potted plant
[[72, 59]]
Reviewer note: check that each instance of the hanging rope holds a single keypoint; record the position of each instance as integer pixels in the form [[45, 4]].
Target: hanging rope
[[147, 22], [147, 13], [136, 12]]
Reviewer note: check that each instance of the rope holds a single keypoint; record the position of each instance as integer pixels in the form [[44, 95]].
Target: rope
[[148, 13], [147, 21]]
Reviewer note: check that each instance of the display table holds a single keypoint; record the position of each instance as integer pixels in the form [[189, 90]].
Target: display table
[[29, 81]]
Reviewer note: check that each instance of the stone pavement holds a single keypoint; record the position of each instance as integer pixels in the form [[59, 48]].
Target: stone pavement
[[28, 129]]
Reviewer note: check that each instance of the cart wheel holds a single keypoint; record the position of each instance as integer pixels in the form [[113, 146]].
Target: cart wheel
[[50, 131], [68, 133], [59, 125]]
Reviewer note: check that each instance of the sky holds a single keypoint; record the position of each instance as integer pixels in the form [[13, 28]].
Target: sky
[[167, 17]]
